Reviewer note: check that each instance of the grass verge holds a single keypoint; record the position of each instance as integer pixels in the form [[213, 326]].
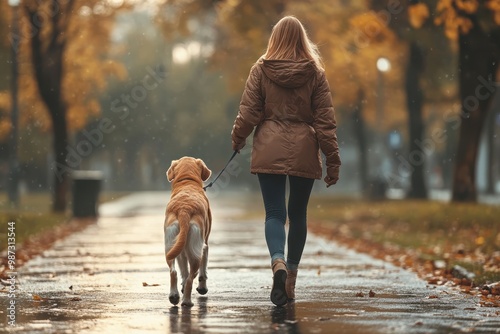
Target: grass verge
[[443, 242]]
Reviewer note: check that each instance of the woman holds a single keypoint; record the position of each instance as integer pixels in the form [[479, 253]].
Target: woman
[[287, 98]]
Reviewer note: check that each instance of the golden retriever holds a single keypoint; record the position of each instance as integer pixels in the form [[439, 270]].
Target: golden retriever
[[188, 221]]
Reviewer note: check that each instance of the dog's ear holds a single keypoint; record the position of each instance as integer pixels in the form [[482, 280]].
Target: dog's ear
[[171, 170], [205, 172]]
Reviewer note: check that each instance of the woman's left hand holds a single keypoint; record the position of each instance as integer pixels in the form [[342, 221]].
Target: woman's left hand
[[238, 147]]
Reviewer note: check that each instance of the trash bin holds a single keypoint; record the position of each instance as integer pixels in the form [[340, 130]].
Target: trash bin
[[86, 188]]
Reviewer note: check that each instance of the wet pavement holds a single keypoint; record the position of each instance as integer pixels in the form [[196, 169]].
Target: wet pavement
[[112, 278]]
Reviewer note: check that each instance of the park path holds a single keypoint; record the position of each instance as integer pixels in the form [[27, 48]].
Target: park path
[[112, 278]]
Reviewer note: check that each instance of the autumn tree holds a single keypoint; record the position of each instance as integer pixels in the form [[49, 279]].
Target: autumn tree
[[62, 65], [475, 25], [5, 74], [423, 64], [5, 50], [394, 18]]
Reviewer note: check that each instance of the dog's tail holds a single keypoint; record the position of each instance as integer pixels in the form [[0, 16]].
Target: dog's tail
[[184, 219]]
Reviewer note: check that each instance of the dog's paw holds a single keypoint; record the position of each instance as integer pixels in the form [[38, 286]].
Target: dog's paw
[[174, 298], [202, 291], [187, 303]]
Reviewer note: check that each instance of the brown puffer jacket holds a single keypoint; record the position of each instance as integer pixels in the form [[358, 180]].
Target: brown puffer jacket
[[290, 103]]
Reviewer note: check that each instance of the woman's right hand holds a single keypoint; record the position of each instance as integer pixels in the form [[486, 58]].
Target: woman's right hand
[[332, 176]]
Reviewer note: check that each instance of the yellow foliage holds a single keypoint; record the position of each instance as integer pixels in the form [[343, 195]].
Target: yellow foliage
[[372, 27], [452, 22], [5, 125], [86, 70], [5, 101], [417, 14], [494, 6], [468, 6]]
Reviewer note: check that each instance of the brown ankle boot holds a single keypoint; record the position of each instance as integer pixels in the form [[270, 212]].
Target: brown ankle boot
[[291, 278], [278, 292]]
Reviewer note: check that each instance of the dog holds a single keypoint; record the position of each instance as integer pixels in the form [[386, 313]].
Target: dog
[[188, 221]]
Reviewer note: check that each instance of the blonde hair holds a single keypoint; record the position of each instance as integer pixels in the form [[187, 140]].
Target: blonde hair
[[289, 40]]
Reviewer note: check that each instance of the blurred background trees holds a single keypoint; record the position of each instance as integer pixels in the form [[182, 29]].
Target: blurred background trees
[[125, 87]]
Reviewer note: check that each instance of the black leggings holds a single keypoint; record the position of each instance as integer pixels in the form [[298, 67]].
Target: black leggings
[[273, 187]]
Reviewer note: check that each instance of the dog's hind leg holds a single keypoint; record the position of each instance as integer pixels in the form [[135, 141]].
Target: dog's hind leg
[[193, 252], [202, 279], [194, 265], [171, 233], [174, 293], [183, 267]]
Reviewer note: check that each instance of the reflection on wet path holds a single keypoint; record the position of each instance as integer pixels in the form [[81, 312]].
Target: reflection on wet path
[[111, 278]]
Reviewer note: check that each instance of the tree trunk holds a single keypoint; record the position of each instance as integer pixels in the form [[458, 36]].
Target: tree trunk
[[490, 142], [478, 61], [359, 131], [414, 102], [60, 144], [47, 56]]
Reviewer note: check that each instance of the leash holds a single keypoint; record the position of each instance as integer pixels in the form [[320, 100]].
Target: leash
[[222, 171]]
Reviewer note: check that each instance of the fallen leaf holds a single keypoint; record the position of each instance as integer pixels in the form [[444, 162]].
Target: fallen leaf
[[433, 280], [479, 241], [37, 298], [371, 294], [433, 297], [360, 294], [146, 284], [490, 301], [466, 289]]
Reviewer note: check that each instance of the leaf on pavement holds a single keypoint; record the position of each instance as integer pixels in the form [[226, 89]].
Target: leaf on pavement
[[146, 284], [490, 301], [360, 294], [371, 294], [37, 298]]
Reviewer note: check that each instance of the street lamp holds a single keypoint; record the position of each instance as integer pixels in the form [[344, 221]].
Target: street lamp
[[13, 163], [383, 65]]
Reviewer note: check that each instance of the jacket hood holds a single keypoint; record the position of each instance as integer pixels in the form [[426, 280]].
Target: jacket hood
[[289, 73]]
